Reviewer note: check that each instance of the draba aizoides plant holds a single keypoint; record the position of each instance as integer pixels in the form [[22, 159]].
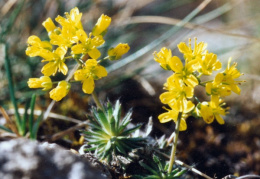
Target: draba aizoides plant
[[179, 95], [71, 42], [109, 135]]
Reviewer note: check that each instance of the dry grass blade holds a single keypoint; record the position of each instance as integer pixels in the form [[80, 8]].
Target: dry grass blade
[[174, 21], [49, 108], [10, 123], [67, 131]]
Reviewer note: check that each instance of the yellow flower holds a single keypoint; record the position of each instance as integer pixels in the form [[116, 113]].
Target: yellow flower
[[216, 89], [101, 25], [37, 47], [50, 26], [172, 114], [211, 110], [42, 82], [73, 19], [184, 73], [209, 63], [88, 45], [192, 54], [56, 62], [177, 94], [90, 72], [70, 25], [117, 52], [60, 91], [229, 76], [163, 57]]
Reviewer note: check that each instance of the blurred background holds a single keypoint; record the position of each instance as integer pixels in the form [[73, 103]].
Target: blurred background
[[230, 28]]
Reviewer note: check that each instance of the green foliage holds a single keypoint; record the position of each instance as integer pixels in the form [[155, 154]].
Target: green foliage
[[157, 169], [26, 123], [109, 136]]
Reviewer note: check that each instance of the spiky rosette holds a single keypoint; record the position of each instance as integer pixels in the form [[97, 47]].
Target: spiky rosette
[[108, 135]]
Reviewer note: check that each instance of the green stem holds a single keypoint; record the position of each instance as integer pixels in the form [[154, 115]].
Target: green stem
[[204, 82], [174, 146], [9, 75], [68, 57], [94, 95], [99, 61]]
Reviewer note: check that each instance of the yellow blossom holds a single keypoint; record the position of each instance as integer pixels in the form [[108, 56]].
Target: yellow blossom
[[87, 45], [90, 72], [117, 52], [209, 63], [37, 47], [50, 26], [70, 25], [56, 62], [163, 57], [60, 91], [184, 73], [177, 94], [216, 89], [101, 25], [192, 54], [172, 114], [72, 19], [229, 76], [212, 110], [42, 82]]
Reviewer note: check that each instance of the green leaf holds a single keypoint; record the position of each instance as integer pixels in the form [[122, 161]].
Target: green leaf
[[5, 129], [25, 117], [131, 130], [180, 173], [35, 128], [127, 118], [120, 148], [102, 120], [32, 105], [109, 110], [148, 168], [117, 113], [11, 88]]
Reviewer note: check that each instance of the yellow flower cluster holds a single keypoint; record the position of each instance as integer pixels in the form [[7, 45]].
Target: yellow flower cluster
[[186, 76], [70, 41]]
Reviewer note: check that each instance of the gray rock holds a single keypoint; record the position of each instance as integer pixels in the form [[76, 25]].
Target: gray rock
[[26, 159]]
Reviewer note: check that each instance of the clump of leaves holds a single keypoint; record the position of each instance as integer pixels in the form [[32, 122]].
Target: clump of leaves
[[109, 135], [157, 169]]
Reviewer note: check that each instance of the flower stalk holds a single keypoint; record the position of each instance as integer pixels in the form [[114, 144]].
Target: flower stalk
[[95, 98], [174, 146]]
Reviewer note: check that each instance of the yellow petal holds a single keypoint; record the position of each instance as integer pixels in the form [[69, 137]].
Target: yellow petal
[[49, 25], [94, 53], [101, 71], [49, 69], [101, 25], [191, 81], [63, 68], [78, 49], [82, 35], [219, 119], [60, 91], [235, 89], [183, 125], [190, 106], [79, 75], [88, 85], [176, 64]]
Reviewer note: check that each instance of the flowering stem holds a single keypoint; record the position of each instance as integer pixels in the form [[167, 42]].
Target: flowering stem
[[99, 61], [174, 146], [203, 83], [94, 95]]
